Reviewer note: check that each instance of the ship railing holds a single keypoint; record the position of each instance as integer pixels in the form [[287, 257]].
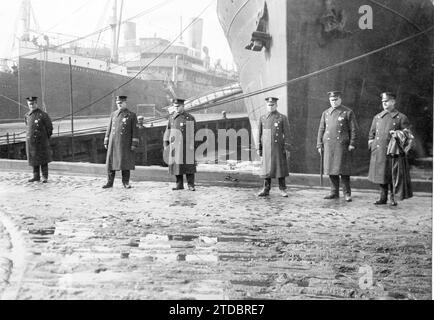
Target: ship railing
[[12, 138]]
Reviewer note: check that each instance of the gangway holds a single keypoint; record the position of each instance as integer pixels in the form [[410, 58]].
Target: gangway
[[214, 96]]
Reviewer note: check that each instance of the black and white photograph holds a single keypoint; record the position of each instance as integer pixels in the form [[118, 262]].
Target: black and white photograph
[[234, 151]]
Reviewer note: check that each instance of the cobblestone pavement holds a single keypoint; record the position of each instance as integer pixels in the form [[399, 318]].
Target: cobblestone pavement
[[83, 242]]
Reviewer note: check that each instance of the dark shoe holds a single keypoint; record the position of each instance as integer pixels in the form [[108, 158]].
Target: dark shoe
[[126, 185], [107, 186], [264, 193], [34, 180], [178, 188], [191, 188], [380, 202], [331, 196], [348, 198], [393, 203], [45, 180]]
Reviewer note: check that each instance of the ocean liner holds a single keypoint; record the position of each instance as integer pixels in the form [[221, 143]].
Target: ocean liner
[[41, 68], [316, 46]]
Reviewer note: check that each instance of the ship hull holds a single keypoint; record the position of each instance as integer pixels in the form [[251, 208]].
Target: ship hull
[[9, 108], [303, 47], [51, 83]]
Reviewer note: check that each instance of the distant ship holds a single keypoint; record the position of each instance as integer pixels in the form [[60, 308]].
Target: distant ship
[[278, 40], [41, 68]]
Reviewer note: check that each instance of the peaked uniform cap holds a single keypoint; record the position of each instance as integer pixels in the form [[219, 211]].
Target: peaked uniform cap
[[386, 96], [271, 99], [334, 94], [178, 101]]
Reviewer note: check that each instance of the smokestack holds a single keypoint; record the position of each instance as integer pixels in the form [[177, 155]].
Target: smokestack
[[130, 34], [195, 36]]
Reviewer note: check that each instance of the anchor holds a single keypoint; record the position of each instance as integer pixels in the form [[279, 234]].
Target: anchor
[[260, 37]]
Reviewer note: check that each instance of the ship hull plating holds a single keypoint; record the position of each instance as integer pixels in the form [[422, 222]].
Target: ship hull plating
[[307, 36], [51, 83]]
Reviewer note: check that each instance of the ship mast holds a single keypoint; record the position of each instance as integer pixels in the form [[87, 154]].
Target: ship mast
[[114, 26], [25, 20], [116, 30]]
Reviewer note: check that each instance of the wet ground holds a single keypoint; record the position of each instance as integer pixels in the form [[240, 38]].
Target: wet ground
[[70, 239]]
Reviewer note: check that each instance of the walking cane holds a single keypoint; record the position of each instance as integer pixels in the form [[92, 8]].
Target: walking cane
[[321, 168], [392, 186]]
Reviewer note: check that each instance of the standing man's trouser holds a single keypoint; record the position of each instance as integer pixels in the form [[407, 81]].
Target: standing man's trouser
[[267, 184], [334, 185], [384, 190], [180, 180], [125, 176], [43, 168]]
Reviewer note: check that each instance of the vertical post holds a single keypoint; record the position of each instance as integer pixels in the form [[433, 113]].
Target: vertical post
[[7, 143], [71, 101], [19, 81], [114, 26], [145, 147]]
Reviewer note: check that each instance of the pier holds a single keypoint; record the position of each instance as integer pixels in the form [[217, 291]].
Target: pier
[[220, 242]]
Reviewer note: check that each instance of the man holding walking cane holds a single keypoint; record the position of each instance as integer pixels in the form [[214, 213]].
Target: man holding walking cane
[[336, 141]]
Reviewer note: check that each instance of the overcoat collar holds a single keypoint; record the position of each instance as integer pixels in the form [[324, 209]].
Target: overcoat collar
[[178, 114], [34, 110], [273, 113], [393, 114], [120, 111], [338, 109]]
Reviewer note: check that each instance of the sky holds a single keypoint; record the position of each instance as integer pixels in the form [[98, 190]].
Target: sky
[[81, 17]]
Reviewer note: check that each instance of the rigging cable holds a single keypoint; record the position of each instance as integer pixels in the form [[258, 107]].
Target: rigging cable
[[396, 13], [309, 75], [119, 25], [143, 69], [144, 12], [98, 27], [67, 16]]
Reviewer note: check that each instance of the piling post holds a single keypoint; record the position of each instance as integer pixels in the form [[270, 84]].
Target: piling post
[[7, 143], [71, 103]]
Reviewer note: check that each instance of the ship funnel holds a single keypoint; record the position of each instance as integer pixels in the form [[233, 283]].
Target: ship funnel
[[130, 34], [194, 38]]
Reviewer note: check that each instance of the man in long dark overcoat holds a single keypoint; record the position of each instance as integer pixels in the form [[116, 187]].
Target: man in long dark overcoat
[[383, 126], [121, 141], [39, 131], [141, 156], [274, 147], [336, 140], [179, 138]]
